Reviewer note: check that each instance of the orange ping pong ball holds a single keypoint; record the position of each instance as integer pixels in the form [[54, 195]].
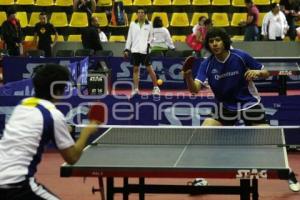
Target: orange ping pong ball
[[159, 82]]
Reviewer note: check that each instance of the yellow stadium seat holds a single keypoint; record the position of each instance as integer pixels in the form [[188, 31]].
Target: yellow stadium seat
[[44, 3], [178, 38], [237, 38], [34, 18], [117, 38], [162, 2], [59, 39], [104, 3], [103, 21], [64, 3], [24, 2], [22, 16], [79, 20], [74, 38], [59, 19], [163, 16], [220, 19], [127, 2], [261, 2], [2, 17], [196, 16], [201, 2], [181, 2], [275, 1], [142, 3], [7, 2], [28, 38], [237, 18], [238, 3], [180, 20], [261, 18], [220, 2]]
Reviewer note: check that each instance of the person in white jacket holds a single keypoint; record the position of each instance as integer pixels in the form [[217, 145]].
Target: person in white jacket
[[161, 40], [274, 26], [138, 39]]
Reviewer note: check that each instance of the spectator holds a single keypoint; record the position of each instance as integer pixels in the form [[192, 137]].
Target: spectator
[[161, 40], [12, 34], [291, 9], [44, 30], [274, 26], [88, 6], [138, 39], [118, 14], [195, 40], [251, 30], [91, 36]]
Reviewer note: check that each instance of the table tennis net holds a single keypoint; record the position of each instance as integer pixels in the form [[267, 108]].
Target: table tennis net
[[157, 136]]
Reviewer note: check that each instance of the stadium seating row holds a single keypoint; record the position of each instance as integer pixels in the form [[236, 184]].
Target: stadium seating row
[[79, 19], [237, 3]]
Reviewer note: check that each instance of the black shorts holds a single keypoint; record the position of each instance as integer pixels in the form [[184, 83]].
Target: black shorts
[[24, 190], [138, 58], [252, 116]]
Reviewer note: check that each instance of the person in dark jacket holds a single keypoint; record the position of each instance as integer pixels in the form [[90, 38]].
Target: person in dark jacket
[[12, 33], [90, 36]]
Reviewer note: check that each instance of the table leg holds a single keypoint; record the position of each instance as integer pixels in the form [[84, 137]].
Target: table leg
[[125, 188], [282, 87], [245, 189], [109, 188], [101, 187], [254, 189], [142, 192]]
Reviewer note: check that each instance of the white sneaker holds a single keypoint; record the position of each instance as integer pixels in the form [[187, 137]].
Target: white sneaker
[[293, 183], [156, 90], [135, 92], [200, 182]]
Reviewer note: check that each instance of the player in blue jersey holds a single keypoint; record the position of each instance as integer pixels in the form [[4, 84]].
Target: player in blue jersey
[[230, 74]]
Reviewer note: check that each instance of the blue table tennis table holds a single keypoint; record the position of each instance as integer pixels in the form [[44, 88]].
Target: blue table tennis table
[[246, 154]]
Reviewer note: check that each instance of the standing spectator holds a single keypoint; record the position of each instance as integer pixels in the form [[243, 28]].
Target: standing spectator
[[195, 40], [251, 30], [291, 9], [161, 40], [118, 14], [12, 34], [90, 36], [43, 30], [88, 6], [274, 26], [138, 39]]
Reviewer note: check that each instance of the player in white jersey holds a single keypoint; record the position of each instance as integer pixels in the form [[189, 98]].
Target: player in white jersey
[[32, 124]]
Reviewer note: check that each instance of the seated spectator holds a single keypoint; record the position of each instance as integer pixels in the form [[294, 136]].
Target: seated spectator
[[88, 6], [274, 26], [161, 40], [118, 14], [90, 36], [195, 40]]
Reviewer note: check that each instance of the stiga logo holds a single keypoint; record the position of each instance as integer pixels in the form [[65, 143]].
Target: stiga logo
[[251, 174]]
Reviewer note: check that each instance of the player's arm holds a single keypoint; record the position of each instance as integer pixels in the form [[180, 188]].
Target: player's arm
[[193, 85], [253, 74], [73, 153]]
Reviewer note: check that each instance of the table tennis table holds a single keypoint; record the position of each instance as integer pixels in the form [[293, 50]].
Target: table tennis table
[[246, 154], [282, 70]]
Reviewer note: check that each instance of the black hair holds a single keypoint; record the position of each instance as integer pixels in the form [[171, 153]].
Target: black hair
[[141, 8], [43, 13], [217, 32], [200, 18], [273, 5], [45, 75], [248, 1], [207, 22], [10, 11], [157, 22]]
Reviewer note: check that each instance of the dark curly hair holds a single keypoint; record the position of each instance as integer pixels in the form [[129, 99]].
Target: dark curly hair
[[157, 22], [217, 32], [46, 75]]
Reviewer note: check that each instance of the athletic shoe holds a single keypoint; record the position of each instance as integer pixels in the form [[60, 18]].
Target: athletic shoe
[[200, 182], [293, 183], [156, 90], [135, 92]]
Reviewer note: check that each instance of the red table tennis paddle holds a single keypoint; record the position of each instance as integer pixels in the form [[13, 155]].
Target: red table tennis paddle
[[188, 63], [97, 113]]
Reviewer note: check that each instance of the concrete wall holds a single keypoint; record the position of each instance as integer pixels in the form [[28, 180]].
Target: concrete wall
[[256, 49]]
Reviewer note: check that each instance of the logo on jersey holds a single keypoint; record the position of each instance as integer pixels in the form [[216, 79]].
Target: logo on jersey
[[214, 71], [226, 75]]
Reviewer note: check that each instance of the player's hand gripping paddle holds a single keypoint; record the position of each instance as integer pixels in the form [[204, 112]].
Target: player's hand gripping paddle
[[97, 113], [188, 63]]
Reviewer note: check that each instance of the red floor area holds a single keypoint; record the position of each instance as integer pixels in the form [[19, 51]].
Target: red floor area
[[80, 189]]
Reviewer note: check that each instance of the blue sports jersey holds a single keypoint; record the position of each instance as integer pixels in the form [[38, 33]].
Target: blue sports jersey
[[227, 80]]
